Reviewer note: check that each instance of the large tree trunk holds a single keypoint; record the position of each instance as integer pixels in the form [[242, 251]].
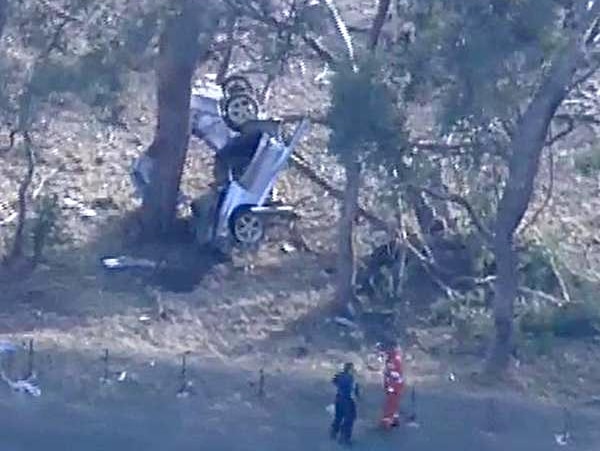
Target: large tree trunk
[[3, 15], [345, 258], [17, 252], [383, 7], [504, 297], [179, 51], [527, 145]]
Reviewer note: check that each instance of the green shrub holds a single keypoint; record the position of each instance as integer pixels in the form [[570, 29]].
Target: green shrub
[[587, 163], [536, 269], [572, 320], [45, 225]]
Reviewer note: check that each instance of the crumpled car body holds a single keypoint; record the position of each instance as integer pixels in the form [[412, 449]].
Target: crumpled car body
[[239, 208], [252, 190]]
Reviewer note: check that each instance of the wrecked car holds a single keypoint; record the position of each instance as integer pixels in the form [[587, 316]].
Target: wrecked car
[[250, 154]]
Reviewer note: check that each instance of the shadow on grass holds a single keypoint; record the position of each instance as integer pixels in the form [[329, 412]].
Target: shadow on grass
[[71, 286]]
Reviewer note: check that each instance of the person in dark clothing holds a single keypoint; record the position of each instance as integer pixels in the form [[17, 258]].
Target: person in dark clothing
[[345, 405]]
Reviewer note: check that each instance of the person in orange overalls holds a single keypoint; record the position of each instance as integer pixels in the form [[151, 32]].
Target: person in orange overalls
[[393, 384]]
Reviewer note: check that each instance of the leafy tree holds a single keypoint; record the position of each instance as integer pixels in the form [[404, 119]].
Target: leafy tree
[[501, 70], [64, 48], [365, 122]]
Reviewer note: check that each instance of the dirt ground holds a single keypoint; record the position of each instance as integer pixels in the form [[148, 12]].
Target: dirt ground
[[225, 413], [233, 322]]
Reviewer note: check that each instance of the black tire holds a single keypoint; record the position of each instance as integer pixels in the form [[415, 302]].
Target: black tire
[[238, 110], [246, 227], [236, 84]]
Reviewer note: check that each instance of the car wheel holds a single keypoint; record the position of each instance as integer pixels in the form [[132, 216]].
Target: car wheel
[[240, 109], [247, 227]]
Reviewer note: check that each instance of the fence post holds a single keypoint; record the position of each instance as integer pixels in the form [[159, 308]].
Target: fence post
[[105, 377], [261, 383], [30, 360], [567, 426], [184, 389]]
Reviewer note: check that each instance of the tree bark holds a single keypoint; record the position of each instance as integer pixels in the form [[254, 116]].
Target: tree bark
[[3, 15], [383, 7], [16, 253], [504, 297], [179, 51], [526, 147], [345, 258]]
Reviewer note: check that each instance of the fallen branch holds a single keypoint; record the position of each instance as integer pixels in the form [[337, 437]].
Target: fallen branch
[[524, 291], [545, 296], [303, 167], [554, 265], [437, 146], [428, 263], [321, 51], [36, 192], [459, 200]]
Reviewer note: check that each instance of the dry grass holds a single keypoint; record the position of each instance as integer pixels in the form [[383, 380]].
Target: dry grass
[[266, 314]]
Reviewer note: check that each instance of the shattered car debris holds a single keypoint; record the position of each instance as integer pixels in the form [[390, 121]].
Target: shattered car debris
[[250, 154]]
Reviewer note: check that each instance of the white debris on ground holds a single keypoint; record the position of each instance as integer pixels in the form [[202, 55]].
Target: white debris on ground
[[125, 262], [330, 409], [345, 322], [562, 439], [26, 386]]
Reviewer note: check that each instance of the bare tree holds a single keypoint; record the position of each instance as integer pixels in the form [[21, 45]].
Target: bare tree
[[24, 123]]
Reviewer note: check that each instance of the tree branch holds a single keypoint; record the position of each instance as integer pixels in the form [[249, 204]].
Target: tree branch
[[582, 118], [418, 144], [427, 261], [545, 296], [586, 75], [464, 203], [547, 198], [560, 135], [229, 45], [321, 51]]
